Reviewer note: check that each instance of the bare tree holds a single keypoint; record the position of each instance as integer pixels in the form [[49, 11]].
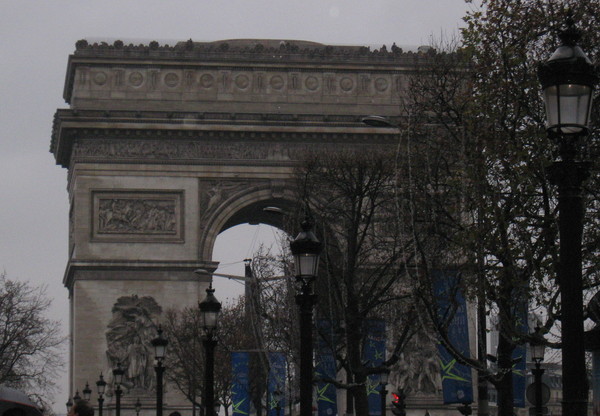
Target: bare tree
[[352, 194], [186, 359], [30, 343]]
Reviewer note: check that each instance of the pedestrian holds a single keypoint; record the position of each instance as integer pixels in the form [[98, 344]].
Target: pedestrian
[[81, 408]]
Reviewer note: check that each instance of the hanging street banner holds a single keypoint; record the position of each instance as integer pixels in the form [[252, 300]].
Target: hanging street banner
[[325, 368], [457, 384], [374, 356], [240, 383], [276, 383]]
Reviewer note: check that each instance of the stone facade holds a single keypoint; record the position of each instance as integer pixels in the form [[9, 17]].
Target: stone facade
[[166, 147]]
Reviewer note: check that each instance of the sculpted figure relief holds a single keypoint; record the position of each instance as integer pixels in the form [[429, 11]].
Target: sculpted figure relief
[[132, 215], [128, 339], [418, 371]]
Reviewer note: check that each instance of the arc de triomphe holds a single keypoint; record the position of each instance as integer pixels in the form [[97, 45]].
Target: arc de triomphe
[[166, 147]]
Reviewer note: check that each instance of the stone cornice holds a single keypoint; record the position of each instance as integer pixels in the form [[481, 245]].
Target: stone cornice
[[244, 50], [121, 268], [72, 125]]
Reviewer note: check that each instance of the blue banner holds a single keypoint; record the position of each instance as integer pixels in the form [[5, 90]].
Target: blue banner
[[276, 382], [457, 382], [374, 355], [325, 368], [240, 383]]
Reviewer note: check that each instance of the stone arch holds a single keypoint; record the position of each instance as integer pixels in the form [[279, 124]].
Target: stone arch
[[157, 168], [252, 205]]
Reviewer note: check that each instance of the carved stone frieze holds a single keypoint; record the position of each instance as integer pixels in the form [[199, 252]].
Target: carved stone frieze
[[195, 83], [137, 215], [183, 150]]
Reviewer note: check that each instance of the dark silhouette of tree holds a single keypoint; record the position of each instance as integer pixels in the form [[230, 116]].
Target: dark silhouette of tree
[[30, 342], [481, 191]]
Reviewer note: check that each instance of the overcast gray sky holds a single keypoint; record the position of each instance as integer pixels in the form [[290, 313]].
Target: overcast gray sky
[[36, 38]]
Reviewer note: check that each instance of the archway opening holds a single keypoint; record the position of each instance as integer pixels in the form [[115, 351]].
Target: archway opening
[[232, 247]]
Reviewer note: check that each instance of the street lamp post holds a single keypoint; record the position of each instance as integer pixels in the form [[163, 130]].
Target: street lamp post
[[160, 347], [209, 313], [138, 407], [69, 404], [306, 249], [383, 380], [537, 349], [87, 392], [568, 79], [101, 388], [118, 374]]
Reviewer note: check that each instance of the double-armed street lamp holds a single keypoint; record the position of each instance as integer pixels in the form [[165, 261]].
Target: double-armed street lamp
[[537, 348], [568, 79], [210, 308], [306, 249], [160, 348], [101, 388], [118, 374]]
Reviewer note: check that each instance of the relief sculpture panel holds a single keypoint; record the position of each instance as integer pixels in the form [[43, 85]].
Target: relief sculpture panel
[[137, 215], [128, 338]]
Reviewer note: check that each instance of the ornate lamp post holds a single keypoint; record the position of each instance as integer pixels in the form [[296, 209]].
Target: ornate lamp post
[[101, 388], [383, 380], [69, 404], [138, 407], [160, 348], [306, 249], [87, 392], [568, 79], [537, 348], [77, 397], [118, 374], [209, 314]]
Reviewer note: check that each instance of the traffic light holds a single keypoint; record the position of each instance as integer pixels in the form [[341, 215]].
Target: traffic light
[[398, 403]]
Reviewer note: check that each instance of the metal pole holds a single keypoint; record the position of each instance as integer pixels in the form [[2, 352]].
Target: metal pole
[[537, 376], [209, 382], [160, 369], [569, 175], [383, 394], [306, 301], [118, 393], [100, 402]]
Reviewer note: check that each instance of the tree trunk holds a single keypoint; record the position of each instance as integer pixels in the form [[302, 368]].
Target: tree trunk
[[505, 350]]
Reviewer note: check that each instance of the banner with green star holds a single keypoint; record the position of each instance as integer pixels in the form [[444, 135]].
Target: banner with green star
[[457, 384]]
